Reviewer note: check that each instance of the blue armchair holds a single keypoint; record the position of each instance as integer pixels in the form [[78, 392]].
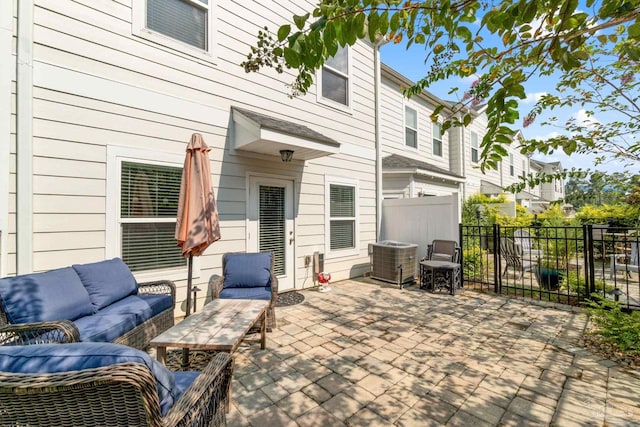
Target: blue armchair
[[248, 276]]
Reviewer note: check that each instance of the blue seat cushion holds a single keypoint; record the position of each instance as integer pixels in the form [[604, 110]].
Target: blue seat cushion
[[39, 297], [52, 358], [251, 270], [144, 307], [184, 379], [246, 293], [107, 281], [104, 327]]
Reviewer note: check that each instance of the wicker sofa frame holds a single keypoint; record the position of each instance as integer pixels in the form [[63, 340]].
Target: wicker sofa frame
[[138, 337], [115, 395], [215, 287]]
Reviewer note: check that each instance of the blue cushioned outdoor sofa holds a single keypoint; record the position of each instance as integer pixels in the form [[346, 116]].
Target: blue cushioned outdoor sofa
[[96, 302]]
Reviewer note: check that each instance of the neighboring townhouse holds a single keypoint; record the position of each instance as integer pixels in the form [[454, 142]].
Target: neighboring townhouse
[[549, 191], [417, 156], [421, 160], [99, 99]]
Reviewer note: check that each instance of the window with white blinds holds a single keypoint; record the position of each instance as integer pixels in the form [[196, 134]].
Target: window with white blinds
[[342, 213], [183, 20], [149, 196], [272, 225]]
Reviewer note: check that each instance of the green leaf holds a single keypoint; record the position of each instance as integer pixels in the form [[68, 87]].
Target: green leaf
[[300, 20], [283, 32], [634, 30], [291, 57]]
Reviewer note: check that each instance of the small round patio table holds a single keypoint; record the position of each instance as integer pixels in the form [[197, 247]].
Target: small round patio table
[[441, 275]]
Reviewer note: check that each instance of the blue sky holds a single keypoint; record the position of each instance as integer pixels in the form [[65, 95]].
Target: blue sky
[[411, 64]]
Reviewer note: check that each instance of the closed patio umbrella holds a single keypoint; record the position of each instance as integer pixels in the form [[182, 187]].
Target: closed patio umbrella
[[197, 224]]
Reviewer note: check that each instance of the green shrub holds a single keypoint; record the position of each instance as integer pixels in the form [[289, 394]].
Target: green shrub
[[614, 326], [472, 260], [576, 284]]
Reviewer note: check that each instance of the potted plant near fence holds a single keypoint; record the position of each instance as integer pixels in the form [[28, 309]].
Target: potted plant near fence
[[555, 262]]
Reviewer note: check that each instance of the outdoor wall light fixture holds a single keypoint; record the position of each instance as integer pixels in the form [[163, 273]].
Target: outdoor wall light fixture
[[286, 155]]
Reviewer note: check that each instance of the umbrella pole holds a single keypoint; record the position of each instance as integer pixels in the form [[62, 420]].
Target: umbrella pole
[[189, 286], [185, 351]]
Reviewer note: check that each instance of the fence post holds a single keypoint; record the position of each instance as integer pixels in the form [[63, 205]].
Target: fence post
[[461, 260], [590, 267], [497, 277]]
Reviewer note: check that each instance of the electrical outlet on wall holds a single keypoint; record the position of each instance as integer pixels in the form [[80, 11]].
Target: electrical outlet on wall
[[307, 260]]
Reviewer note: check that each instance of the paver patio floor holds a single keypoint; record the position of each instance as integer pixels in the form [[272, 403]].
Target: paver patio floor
[[369, 354]]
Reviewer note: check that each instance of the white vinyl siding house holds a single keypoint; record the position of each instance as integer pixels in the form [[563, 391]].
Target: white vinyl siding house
[[416, 154], [111, 92]]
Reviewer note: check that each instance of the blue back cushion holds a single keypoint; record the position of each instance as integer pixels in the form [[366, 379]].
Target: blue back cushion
[[143, 306], [53, 295], [247, 270], [51, 358], [107, 281]]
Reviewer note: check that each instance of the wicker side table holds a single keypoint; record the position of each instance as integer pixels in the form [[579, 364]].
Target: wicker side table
[[441, 275]]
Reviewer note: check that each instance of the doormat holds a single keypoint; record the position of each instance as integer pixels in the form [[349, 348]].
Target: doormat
[[289, 298]]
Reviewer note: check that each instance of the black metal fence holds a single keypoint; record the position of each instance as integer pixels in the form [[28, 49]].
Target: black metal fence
[[556, 264]]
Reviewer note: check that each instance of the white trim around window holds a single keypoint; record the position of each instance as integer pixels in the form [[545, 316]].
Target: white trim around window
[[348, 216], [113, 239], [140, 28], [346, 75]]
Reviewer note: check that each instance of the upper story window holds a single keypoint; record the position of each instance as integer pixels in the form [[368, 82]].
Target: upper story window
[[474, 147], [178, 24], [524, 169], [437, 139], [410, 127], [335, 77], [512, 167]]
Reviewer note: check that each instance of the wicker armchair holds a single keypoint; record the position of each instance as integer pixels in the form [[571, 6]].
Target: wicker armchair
[[217, 284], [115, 395]]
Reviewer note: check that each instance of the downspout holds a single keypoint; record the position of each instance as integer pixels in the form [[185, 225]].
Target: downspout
[[24, 139], [377, 85], [6, 76]]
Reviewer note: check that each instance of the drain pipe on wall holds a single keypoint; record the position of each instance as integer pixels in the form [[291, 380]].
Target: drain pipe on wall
[[24, 139], [377, 84], [7, 74]]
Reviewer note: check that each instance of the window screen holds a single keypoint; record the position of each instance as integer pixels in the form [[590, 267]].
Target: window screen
[[335, 77], [148, 207], [410, 127], [183, 20], [437, 139], [342, 211]]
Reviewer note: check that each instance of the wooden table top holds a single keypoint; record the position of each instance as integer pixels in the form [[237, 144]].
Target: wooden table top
[[220, 325]]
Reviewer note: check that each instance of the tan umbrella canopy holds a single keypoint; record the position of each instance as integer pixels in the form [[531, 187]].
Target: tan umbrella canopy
[[197, 224]]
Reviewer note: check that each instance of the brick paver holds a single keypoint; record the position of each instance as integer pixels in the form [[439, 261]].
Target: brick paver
[[369, 354]]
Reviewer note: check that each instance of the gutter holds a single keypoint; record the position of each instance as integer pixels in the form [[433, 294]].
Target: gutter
[[24, 138], [6, 76], [377, 84]]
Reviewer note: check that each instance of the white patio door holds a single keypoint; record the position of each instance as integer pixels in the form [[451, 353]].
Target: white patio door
[[270, 225]]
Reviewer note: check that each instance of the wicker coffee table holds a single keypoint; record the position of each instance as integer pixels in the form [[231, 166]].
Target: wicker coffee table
[[220, 326]]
